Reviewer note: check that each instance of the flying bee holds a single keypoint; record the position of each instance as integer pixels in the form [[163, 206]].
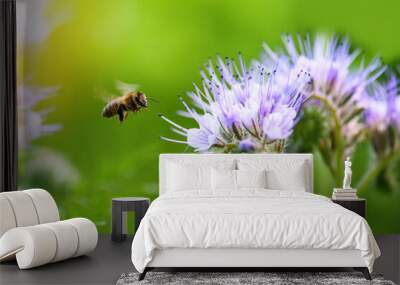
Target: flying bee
[[133, 101]]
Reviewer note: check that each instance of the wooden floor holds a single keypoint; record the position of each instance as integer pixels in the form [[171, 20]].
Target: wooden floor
[[110, 260]]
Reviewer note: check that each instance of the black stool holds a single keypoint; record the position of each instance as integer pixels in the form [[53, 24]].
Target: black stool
[[119, 208]]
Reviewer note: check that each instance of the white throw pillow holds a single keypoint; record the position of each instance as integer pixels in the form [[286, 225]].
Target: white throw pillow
[[282, 174], [183, 178], [223, 179], [226, 179], [251, 179], [293, 180]]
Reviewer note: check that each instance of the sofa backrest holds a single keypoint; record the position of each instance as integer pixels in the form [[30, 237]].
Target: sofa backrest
[[284, 163], [26, 208]]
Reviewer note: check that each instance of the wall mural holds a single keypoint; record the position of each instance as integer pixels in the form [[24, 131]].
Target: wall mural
[[101, 84]]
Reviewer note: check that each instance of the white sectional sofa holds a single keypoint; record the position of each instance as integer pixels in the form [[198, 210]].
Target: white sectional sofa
[[31, 231]]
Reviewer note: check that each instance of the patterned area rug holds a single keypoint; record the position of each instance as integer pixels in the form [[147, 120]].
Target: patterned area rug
[[232, 278]]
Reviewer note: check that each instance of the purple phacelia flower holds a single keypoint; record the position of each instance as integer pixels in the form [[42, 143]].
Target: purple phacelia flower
[[329, 61], [279, 124], [31, 121], [334, 80], [382, 106], [236, 105], [247, 145]]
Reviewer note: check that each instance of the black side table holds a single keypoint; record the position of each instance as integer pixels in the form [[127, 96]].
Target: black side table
[[358, 206], [119, 208]]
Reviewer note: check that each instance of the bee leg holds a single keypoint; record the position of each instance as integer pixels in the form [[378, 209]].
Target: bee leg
[[120, 113], [126, 115]]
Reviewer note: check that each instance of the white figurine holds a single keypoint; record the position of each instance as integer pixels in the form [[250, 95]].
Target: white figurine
[[347, 174]]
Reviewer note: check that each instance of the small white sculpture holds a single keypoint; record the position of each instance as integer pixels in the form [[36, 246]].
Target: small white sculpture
[[347, 174]]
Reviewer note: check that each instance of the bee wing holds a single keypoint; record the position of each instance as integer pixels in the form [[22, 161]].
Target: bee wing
[[125, 88], [105, 96]]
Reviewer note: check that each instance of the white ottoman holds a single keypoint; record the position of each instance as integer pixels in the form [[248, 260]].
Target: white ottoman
[[31, 232]]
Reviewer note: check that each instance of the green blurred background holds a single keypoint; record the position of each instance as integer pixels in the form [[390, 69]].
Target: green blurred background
[[161, 45]]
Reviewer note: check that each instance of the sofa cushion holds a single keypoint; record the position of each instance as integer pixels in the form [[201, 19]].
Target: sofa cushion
[[7, 220], [45, 206], [40, 244], [26, 208]]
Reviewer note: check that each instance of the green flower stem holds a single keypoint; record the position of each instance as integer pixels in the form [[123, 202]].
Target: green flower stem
[[337, 132], [378, 168]]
